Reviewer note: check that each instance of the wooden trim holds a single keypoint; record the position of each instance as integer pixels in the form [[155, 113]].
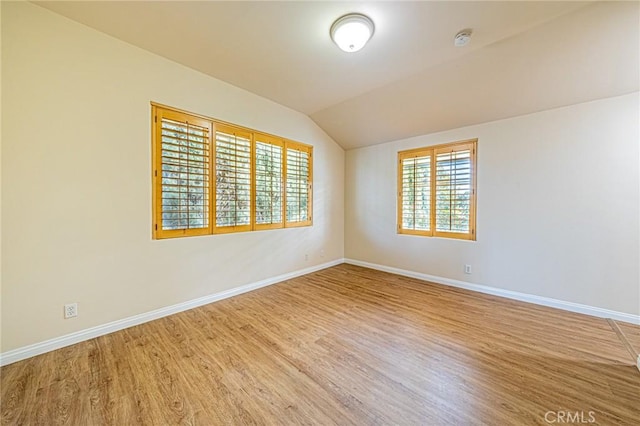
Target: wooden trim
[[403, 155], [232, 130], [474, 191], [157, 115], [252, 183], [443, 146], [212, 180], [415, 153], [284, 185], [269, 139], [399, 169], [299, 224], [279, 142], [454, 235], [432, 152], [433, 193], [237, 132], [232, 229], [217, 121], [154, 175], [267, 226], [159, 110], [420, 232], [297, 146], [310, 200], [176, 233]]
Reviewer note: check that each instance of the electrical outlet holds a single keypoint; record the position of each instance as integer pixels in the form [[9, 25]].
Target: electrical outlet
[[467, 269], [70, 310], [306, 256], [321, 253]]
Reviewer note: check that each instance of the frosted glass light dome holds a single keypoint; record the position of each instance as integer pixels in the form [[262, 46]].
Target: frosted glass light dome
[[351, 32]]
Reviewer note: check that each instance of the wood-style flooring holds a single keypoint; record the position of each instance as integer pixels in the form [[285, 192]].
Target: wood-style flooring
[[345, 345]]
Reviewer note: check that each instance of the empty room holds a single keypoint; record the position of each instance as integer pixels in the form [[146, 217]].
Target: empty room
[[320, 212]]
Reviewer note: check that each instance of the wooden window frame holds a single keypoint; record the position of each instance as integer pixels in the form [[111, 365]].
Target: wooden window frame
[[156, 118], [432, 152], [158, 111], [296, 146], [267, 139], [244, 133], [403, 155]]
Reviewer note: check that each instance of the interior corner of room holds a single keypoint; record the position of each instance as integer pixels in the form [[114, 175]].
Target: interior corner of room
[[556, 213], [557, 209]]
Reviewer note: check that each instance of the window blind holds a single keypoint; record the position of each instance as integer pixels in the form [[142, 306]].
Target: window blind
[[213, 177], [416, 193], [233, 178], [453, 190], [298, 185], [268, 177], [436, 190], [182, 174]]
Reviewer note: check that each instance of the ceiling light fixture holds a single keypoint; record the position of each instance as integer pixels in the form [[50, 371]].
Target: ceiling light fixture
[[462, 38], [351, 32]]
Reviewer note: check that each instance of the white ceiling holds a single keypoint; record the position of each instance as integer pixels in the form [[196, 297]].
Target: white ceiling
[[410, 79]]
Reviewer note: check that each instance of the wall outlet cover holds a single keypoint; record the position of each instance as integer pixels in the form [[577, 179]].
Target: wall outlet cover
[[70, 310]]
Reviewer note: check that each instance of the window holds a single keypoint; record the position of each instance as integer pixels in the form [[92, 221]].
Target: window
[[212, 177], [233, 179], [437, 190], [182, 189], [298, 170], [269, 180]]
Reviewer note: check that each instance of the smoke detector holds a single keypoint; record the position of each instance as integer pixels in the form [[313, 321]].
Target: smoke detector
[[462, 38]]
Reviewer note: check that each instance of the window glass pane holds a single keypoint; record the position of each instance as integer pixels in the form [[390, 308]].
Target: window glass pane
[[453, 191], [416, 193], [297, 190], [268, 183], [233, 180], [196, 158], [184, 175]]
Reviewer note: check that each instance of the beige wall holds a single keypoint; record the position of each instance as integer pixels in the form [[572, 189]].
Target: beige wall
[[558, 192], [76, 187], [558, 206]]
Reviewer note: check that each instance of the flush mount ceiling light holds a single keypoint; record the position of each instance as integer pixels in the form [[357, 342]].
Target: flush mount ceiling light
[[351, 32]]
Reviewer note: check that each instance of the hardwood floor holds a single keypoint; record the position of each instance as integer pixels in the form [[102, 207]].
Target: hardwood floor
[[632, 335], [345, 345]]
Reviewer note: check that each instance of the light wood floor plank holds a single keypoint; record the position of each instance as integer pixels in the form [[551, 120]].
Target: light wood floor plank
[[342, 346]]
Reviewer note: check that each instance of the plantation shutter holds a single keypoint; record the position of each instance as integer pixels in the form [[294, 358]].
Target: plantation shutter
[[415, 191], [454, 189], [233, 179], [269, 172], [181, 173], [298, 185], [211, 177], [436, 191]]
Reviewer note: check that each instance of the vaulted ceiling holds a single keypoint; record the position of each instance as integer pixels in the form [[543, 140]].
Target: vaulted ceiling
[[410, 79]]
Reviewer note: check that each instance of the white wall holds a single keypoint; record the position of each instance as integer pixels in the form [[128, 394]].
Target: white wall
[[558, 206], [76, 182]]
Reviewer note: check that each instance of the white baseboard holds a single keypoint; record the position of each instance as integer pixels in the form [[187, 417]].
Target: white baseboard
[[89, 333], [530, 298], [29, 351]]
